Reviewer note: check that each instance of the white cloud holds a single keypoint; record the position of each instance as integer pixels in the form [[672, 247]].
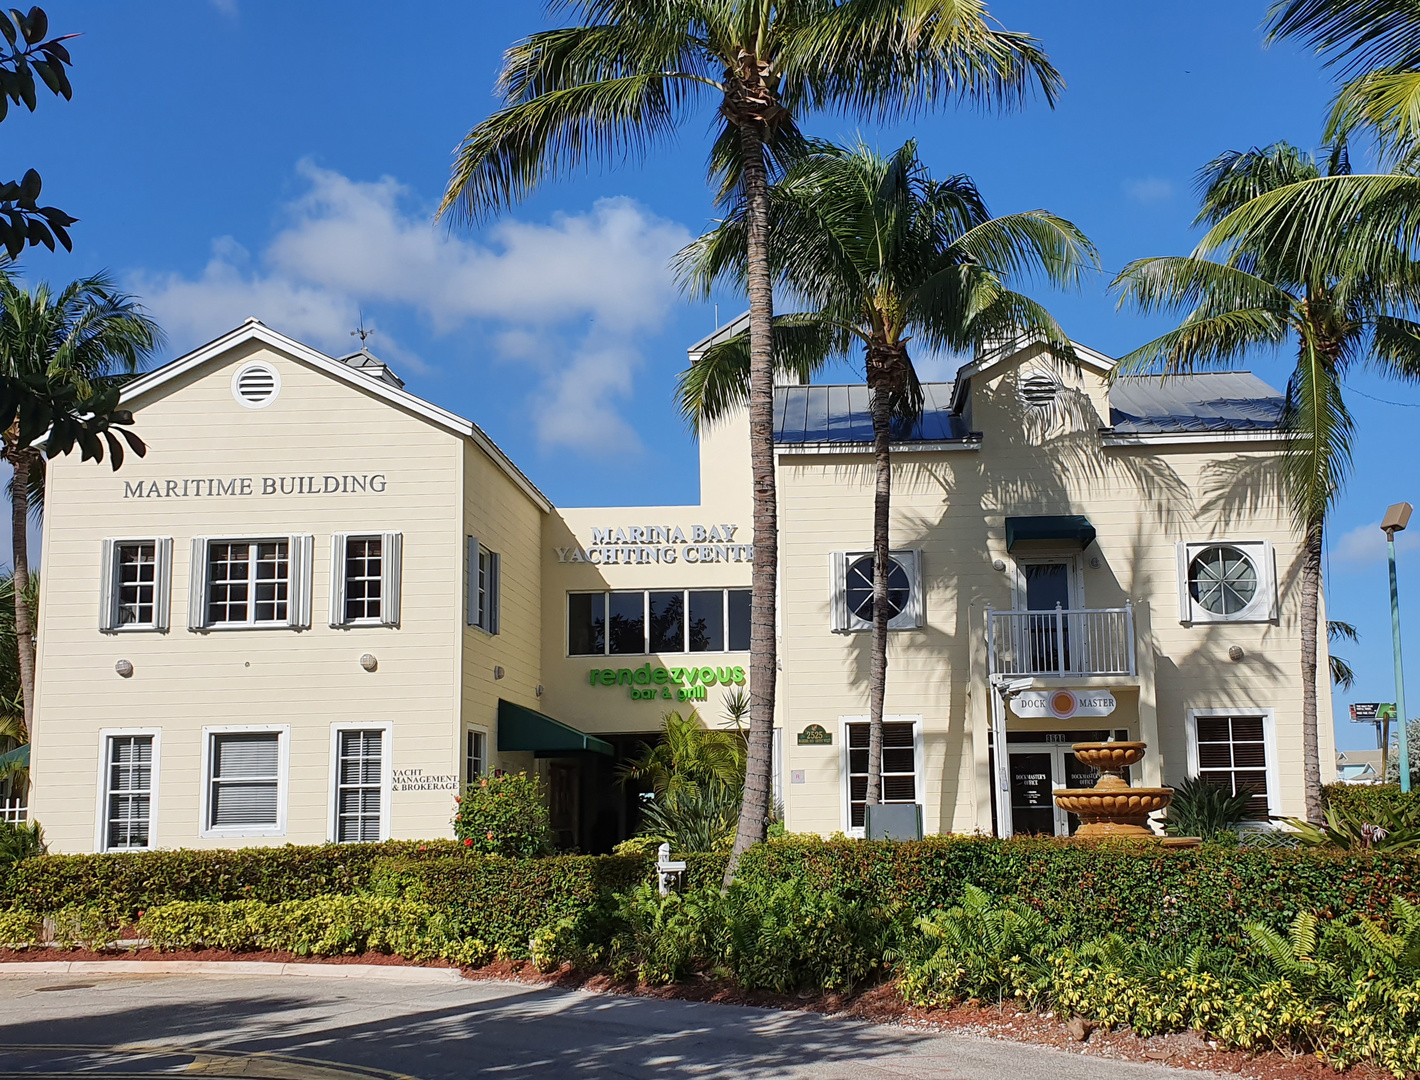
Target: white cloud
[[568, 298], [1150, 189], [1365, 545]]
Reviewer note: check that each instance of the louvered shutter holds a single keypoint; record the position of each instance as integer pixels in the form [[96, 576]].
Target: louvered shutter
[[838, 595], [163, 586], [337, 579], [300, 552], [1185, 602], [197, 585], [391, 560], [492, 586], [910, 617], [108, 617]]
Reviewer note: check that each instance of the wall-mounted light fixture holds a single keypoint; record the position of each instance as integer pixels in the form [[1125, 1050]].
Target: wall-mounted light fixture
[[368, 662], [998, 564], [498, 672], [1235, 653], [124, 668]]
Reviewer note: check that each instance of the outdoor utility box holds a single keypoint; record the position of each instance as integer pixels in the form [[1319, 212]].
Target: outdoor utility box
[[893, 821]]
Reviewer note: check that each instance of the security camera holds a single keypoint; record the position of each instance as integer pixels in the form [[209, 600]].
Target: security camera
[[1016, 686]]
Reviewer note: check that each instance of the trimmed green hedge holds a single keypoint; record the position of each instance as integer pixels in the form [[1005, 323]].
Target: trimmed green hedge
[[1359, 798], [1207, 894], [504, 901], [125, 883]]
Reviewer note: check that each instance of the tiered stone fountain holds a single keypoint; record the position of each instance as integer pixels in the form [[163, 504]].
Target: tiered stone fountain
[[1112, 808]]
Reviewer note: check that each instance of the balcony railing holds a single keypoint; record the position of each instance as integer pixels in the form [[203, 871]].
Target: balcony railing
[[1061, 643]]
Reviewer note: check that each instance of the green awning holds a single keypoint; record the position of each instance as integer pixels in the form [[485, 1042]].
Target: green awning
[[521, 728], [18, 756], [1072, 528]]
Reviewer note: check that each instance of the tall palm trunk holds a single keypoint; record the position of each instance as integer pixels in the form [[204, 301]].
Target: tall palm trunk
[[763, 666], [22, 459], [1311, 592], [881, 408]]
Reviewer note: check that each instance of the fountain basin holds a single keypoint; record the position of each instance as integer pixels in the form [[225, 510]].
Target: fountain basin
[[1111, 810]]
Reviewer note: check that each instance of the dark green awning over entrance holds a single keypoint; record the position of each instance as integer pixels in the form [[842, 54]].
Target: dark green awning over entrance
[[20, 755], [521, 728], [1072, 528]]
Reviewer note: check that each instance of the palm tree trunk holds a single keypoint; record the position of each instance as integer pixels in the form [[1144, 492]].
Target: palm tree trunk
[[1311, 592], [763, 666], [882, 499], [21, 460]]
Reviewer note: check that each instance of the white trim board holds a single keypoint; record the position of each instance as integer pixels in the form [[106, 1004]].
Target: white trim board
[[254, 330]]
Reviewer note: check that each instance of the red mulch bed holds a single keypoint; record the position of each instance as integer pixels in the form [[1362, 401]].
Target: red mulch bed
[[877, 1004]]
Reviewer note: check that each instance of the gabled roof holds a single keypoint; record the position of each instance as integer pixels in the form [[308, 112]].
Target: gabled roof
[[255, 330], [839, 414], [1212, 402]]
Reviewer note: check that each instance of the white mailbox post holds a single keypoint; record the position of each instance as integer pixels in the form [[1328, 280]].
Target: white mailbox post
[[666, 870]]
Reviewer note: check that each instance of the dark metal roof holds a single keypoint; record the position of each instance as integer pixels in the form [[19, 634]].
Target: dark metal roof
[[1211, 402], [839, 414]]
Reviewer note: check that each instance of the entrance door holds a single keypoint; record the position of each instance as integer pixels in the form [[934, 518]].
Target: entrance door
[[1047, 586], [1032, 779]]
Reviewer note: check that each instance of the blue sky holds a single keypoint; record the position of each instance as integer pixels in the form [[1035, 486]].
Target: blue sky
[[239, 157]]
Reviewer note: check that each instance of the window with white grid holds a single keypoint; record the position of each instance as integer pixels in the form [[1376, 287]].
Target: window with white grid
[[899, 773], [359, 786], [244, 780], [475, 755], [248, 582], [137, 583], [364, 571], [1232, 754], [129, 798]]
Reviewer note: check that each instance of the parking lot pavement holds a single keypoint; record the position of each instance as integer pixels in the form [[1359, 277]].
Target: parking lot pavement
[[137, 1025]]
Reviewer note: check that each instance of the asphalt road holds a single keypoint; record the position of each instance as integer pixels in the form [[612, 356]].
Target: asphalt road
[[110, 1026]]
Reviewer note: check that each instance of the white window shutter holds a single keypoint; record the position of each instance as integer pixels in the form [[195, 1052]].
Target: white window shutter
[[472, 566], [300, 551], [493, 588], [108, 617], [197, 585], [337, 579], [838, 590], [1185, 602], [1267, 575], [910, 618], [391, 551], [163, 590]]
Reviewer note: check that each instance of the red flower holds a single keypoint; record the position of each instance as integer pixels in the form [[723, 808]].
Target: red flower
[[468, 842], [423, 847]]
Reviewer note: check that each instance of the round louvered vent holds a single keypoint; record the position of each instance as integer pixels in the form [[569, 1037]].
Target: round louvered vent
[[1039, 391], [256, 385]]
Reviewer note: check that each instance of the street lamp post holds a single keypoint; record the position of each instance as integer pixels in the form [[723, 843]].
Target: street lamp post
[[1396, 518]]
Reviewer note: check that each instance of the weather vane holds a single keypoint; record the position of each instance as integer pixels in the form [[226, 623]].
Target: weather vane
[[360, 332]]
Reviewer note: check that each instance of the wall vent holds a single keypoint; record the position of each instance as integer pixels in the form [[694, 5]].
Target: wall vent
[[256, 385], [1040, 391]]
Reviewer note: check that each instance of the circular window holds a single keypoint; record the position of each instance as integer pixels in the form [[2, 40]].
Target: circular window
[[1222, 580], [256, 385], [860, 588]]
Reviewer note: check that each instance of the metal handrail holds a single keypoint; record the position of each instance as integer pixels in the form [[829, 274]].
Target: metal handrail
[[1062, 642]]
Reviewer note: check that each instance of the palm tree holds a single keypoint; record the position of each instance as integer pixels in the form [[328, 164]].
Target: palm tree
[[63, 359], [1376, 43], [628, 73], [687, 757], [14, 735], [883, 254], [1255, 282]]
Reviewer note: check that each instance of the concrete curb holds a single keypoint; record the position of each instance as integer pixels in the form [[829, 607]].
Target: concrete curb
[[385, 972]]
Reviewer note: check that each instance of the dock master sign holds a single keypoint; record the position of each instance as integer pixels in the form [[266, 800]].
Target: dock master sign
[[1062, 704]]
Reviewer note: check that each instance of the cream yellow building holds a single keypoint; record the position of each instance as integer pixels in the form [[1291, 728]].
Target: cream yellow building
[[320, 604]]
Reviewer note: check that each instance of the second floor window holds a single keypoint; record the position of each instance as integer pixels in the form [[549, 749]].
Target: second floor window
[[249, 582], [135, 578], [365, 579], [484, 572], [658, 621]]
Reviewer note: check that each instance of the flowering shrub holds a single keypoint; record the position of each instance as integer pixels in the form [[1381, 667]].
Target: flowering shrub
[[504, 815]]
